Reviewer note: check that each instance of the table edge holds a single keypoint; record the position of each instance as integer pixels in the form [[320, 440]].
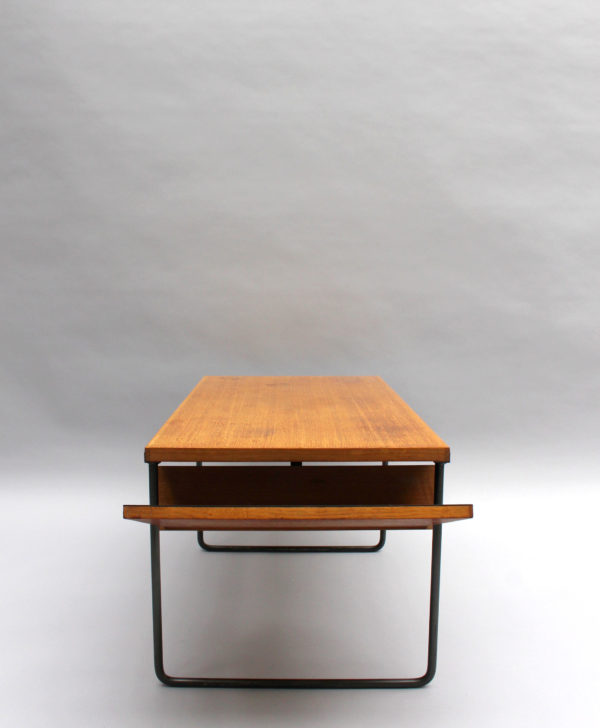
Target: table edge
[[417, 454]]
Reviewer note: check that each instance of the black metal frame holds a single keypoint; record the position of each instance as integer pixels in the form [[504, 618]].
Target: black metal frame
[[292, 549], [217, 682]]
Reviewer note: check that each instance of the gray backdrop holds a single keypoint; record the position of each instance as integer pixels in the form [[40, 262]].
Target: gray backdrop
[[407, 189], [403, 188]]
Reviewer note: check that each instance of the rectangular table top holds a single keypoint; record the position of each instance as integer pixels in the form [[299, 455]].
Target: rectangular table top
[[247, 419]]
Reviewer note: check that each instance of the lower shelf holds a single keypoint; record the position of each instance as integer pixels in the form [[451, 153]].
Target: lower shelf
[[295, 518]]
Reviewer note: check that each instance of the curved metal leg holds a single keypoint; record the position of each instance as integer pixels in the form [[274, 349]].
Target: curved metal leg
[[217, 682], [292, 549]]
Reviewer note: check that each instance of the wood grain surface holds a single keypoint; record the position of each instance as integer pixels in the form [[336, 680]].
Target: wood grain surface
[[238, 518], [294, 419]]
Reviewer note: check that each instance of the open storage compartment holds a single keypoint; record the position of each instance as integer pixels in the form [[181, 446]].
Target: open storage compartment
[[296, 498]]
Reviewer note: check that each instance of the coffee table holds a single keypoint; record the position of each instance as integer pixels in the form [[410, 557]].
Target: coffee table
[[297, 421]]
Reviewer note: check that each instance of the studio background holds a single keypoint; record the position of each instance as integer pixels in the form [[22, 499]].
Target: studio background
[[408, 189]]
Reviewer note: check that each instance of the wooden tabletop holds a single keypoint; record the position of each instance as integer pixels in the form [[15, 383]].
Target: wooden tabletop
[[294, 419]]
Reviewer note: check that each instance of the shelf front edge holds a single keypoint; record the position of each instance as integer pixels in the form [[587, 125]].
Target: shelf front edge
[[295, 517]]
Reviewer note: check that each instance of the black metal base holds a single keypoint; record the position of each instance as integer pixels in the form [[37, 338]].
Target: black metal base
[[300, 683], [292, 549]]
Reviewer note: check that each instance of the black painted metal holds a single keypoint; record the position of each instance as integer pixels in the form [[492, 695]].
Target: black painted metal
[[303, 683], [434, 594], [153, 483], [293, 549]]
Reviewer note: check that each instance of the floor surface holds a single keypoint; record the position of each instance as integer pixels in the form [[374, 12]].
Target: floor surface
[[518, 641]]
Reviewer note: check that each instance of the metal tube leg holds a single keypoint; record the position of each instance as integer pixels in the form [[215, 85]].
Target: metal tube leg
[[292, 682], [157, 606], [434, 595], [216, 682], [434, 606], [157, 632]]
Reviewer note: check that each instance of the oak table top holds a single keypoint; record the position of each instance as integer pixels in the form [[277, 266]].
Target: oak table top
[[253, 419]]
